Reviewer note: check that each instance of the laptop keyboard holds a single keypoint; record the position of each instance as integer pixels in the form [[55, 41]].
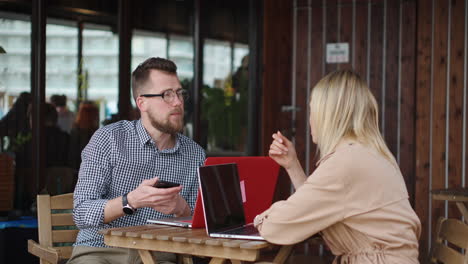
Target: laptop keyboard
[[244, 230]]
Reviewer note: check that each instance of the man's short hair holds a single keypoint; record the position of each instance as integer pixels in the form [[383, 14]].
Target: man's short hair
[[58, 100], [50, 114], [141, 73]]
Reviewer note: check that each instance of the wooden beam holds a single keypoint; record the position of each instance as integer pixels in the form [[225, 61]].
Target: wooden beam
[[198, 70], [125, 52], [38, 70]]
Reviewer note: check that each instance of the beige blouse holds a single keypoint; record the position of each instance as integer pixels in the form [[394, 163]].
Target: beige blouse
[[358, 201]]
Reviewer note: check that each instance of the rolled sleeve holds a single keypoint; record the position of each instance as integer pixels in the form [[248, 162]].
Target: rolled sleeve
[[90, 214], [317, 204], [93, 179]]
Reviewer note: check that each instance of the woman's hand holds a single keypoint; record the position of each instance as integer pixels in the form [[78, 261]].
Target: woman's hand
[[282, 151]]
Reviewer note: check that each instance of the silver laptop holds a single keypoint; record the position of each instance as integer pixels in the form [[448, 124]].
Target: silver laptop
[[175, 221], [222, 203], [195, 221]]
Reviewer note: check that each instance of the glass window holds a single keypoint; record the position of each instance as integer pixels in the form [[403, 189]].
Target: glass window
[[15, 65], [100, 68], [146, 45], [240, 53], [225, 94], [217, 63], [181, 51], [61, 61]]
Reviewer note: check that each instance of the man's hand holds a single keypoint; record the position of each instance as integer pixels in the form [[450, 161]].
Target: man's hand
[[177, 206], [166, 201]]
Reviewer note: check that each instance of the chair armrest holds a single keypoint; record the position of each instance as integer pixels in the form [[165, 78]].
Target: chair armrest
[[43, 252]]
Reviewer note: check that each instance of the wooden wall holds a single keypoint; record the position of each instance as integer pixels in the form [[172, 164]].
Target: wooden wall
[[413, 54], [441, 107], [276, 78], [276, 68], [382, 40]]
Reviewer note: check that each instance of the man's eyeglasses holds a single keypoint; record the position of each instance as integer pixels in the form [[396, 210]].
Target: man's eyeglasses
[[169, 95]]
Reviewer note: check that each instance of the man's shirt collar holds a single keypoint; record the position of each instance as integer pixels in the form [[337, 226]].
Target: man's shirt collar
[[142, 133], [145, 138]]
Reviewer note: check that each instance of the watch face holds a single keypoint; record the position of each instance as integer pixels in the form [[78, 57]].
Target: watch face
[[128, 210]]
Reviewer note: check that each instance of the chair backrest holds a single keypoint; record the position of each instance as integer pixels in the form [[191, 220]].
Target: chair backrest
[[451, 239], [55, 222]]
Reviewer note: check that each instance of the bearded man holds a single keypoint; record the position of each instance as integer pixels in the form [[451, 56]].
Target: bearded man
[[124, 160]]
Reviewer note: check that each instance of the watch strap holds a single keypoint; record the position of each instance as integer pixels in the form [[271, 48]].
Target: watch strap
[[124, 199], [126, 207]]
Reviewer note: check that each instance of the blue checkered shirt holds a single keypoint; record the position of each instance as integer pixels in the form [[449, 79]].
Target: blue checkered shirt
[[116, 160]]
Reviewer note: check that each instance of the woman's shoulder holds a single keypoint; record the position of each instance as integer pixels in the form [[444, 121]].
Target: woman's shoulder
[[339, 164], [354, 154], [357, 163], [361, 168]]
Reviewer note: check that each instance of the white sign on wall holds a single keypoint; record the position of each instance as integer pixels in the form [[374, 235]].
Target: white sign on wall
[[338, 52]]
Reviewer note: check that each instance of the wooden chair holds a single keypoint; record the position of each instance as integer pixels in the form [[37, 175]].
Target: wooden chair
[[451, 239], [56, 228]]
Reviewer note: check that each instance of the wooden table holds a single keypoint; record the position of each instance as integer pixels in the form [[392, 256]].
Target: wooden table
[[458, 195], [188, 242]]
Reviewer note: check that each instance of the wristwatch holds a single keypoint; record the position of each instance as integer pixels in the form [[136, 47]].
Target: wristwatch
[[127, 208]]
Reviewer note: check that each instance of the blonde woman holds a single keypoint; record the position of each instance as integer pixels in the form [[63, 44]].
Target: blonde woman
[[356, 197]]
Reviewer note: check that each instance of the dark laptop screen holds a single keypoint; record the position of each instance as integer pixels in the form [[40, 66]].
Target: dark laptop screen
[[222, 198]]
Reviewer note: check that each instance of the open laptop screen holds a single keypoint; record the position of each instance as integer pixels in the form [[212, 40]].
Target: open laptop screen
[[222, 198]]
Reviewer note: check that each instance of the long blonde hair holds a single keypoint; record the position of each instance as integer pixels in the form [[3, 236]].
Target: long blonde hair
[[343, 107]]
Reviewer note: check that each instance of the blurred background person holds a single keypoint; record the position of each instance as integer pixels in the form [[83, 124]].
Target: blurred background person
[[57, 140], [56, 152], [59, 177], [65, 116], [15, 123], [86, 123]]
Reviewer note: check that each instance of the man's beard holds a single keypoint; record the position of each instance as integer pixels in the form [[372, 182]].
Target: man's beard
[[167, 127]]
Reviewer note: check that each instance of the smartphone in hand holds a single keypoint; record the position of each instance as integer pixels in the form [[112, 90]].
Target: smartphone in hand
[[165, 184]]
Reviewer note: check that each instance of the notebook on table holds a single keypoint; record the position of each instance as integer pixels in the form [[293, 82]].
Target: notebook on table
[[253, 172], [222, 203]]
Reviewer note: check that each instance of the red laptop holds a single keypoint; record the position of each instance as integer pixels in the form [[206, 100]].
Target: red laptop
[[257, 176]]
